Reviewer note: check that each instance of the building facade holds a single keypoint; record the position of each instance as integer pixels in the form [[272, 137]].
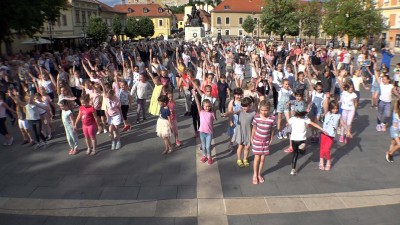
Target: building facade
[[390, 9]]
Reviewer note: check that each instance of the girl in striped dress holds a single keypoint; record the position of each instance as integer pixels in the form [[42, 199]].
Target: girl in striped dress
[[261, 138]]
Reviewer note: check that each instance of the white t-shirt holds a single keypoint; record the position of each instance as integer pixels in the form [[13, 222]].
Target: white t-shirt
[[239, 69], [356, 82], [199, 74], [386, 92], [346, 58], [347, 100], [277, 79], [299, 128]]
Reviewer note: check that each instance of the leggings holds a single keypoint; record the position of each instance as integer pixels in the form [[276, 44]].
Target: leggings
[[275, 95], [125, 109], [3, 127], [383, 111], [195, 117], [37, 130], [188, 99], [141, 105], [295, 146], [77, 93], [222, 103], [325, 146], [347, 116]]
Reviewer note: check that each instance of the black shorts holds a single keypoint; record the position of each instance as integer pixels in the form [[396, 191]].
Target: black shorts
[[125, 109], [3, 127], [100, 113]]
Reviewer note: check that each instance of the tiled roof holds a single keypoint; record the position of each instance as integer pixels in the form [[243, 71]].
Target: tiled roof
[[179, 17], [106, 8], [139, 10], [237, 6]]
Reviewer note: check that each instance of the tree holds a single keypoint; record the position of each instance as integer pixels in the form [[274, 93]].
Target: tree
[[97, 29], [117, 26], [310, 18], [131, 27], [26, 17], [249, 24], [146, 27], [356, 19], [280, 17]]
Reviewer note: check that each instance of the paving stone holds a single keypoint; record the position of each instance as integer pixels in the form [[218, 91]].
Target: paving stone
[[152, 221], [246, 206], [120, 193], [45, 180], [176, 208], [22, 219], [186, 220], [211, 207], [114, 180], [146, 179], [93, 193], [47, 193], [158, 192], [81, 181], [60, 220], [286, 204], [185, 178], [368, 215], [16, 191], [321, 202], [16, 179], [186, 192], [239, 220], [212, 220], [108, 221], [230, 191]]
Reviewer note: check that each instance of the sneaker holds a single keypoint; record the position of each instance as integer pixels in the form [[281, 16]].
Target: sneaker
[[293, 172], [112, 145], [341, 138], [302, 146], [137, 122], [105, 131], [10, 141], [203, 159], [284, 135], [210, 161], [280, 135], [288, 150], [389, 158], [274, 112], [98, 132], [383, 127], [178, 143], [127, 127], [118, 145], [378, 127], [49, 138]]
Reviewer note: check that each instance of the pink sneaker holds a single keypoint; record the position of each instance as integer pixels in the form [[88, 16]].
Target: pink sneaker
[[210, 161], [288, 150], [378, 127], [203, 159], [341, 138], [178, 143]]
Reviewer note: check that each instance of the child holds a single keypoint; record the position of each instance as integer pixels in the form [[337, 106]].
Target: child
[[174, 123], [45, 115], [251, 92], [299, 124], [263, 85], [348, 101], [96, 99], [242, 134], [22, 122], [315, 107], [154, 108], [89, 124], [139, 90], [68, 121], [239, 72], [207, 118], [331, 124], [223, 93], [3, 126], [357, 80], [283, 106], [261, 138], [193, 109], [394, 133], [113, 111], [234, 106], [126, 103], [163, 128]]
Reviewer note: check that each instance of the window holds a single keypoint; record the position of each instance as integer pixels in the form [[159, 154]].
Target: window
[[83, 17], [77, 16], [160, 10], [64, 20], [59, 21], [227, 32], [130, 10], [240, 20], [240, 32], [397, 42], [227, 20], [160, 23], [219, 20], [227, 7], [145, 10]]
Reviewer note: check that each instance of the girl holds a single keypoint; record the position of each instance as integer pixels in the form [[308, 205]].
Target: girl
[[22, 122], [261, 138], [96, 99], [386, 89], [283, 107], [239, 72], [174, 122], [277, 77], [126, 103], [251, 92], [348, 100], [154, 108], [68, 121], [234, 107], [207, 118], [45, 115], [223, 93], [139, 90], [299, 124], [263, 84], [89, 124], [242, 134], [331, 124], [3, 126], [394, 132], [315, 107], [163, 128]]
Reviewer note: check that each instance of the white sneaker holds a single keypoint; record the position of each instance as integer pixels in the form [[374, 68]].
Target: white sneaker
[[279, 135], [10, 141], [105, 131], [293, 172], [98, 132], [378, 127], [118, 145], [112, 145], [302, 146], [284, 135]]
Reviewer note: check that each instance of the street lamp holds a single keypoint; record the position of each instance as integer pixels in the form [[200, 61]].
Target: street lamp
[[84, 32], [49, 29]]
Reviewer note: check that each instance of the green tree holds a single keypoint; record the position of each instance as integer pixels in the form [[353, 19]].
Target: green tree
[[97, 29], [117, 26], [280, 17], [356, 19], [131, 27], [310, 16], [146, 27], [26, 17], [249, 24]]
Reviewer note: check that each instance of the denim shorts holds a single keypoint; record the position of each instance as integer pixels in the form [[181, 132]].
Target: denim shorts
[[394, 133], [374, 89], [282, 107]]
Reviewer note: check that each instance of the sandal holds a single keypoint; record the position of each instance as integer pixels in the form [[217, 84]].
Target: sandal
[[321, 166], [255, 180], [88, 151], [93, 153], [170, 150], [70, 151], [246, 163], [240, 163], [261, 179], [328, 167]]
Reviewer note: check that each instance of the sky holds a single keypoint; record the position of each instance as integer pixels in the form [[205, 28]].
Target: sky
[[111, 2]]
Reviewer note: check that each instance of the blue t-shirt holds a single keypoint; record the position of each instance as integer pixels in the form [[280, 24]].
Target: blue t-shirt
[[165, 112]]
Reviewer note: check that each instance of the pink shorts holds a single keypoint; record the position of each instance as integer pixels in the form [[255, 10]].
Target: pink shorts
[[89, 131], [174, 126]]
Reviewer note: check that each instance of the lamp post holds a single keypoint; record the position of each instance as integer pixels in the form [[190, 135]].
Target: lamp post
[[49, 29], [84, 32]]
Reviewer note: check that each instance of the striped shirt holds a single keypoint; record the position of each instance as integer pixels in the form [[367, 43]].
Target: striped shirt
[[262, 136]]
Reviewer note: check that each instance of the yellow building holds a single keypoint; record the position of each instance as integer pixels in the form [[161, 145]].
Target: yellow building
[[180, 21], [162, 19], [390, 9]]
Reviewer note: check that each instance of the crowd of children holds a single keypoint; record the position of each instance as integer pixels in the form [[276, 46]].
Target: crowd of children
[[310, 87]]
